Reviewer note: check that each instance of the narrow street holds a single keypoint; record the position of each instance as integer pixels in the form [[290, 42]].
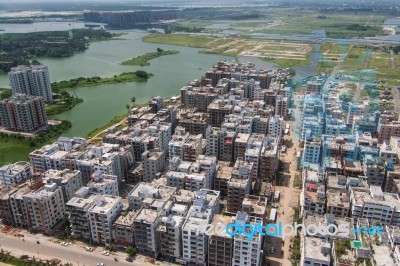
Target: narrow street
[[288, 201]]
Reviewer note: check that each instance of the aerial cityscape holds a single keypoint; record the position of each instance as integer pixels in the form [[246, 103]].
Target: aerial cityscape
[[179, 132]]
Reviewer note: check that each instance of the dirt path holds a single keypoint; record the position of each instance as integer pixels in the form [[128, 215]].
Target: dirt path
[[289, 200]]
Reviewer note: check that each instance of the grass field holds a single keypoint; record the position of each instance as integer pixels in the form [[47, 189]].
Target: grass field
[[284, 54], [179, 39], [11, 152], [335, 25], [143, 60]]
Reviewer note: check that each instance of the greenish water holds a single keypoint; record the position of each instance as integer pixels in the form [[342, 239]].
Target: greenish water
[[102, 103]]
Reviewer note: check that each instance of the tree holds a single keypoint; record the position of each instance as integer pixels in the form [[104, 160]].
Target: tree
[[127, 106], [133, 99], [131, 251], [159, 50], [142, 74]]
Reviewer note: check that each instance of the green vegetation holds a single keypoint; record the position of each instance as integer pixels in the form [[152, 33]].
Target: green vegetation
[[15, 147], [24, 260], [143, 60], [62, 102], [5, 93], [336, 25], [115, 120], [287, 62], [22, 48], [295, 254], [341, 247], [131, 251], [92, 81], [179, 39]]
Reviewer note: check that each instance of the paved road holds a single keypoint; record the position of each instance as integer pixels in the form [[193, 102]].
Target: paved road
[[74, 254]]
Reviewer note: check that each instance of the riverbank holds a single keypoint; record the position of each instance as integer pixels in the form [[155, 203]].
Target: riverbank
[[143, 60]]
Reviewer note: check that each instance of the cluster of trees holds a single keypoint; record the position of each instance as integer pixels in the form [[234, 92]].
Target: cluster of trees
[[47, 136], [5, 256], [358, 27], [19, 48]]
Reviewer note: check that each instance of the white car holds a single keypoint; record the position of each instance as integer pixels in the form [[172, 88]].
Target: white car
[[90, 249], [101, 264], [65, 244], [105, 253]]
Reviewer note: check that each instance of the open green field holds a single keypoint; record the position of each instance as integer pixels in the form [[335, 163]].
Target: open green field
[[143, 60], [179, 39], [337, 25], [12, 152], [284, 54]]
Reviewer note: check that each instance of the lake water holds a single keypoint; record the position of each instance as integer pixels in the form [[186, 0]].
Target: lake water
[[104, 102]]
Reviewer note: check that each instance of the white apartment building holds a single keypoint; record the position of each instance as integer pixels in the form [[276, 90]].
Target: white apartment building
[[312, 150], [78, 213], [145, 228], [70, 181], [170, 235], [102, 213], [212, 136], [315, 252], [14, 173], [143, 194], [253, 152], [176, 144], [33, 80], [154, 162], [375, 205], [45, 207], [104, 184], [194, 240], [246, 251], [275, 126]]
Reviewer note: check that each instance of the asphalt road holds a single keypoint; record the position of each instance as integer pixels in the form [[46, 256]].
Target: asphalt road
[[74, 253]]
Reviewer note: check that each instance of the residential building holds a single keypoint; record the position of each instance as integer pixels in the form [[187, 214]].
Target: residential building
[[169, 233], [12, 174], [70, 181], [122, 229], [315, 251], [218, 110], [338, 203], [31, 80], [103, 212], [104, 184], [145, 228], [194, 122], [23, 113], [269, 159], [45, 207], [220, 244], [247, 251], [154, 162], [275, 126]]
